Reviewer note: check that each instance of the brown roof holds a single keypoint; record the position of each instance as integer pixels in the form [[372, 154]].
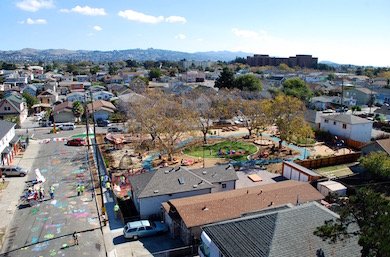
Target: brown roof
[[209, 208], [385, 144], [101, 105], [63, 107]]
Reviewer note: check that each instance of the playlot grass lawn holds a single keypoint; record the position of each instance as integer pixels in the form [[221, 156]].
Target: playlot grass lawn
[[224, 147]]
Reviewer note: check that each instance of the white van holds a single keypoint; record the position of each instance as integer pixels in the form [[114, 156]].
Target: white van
[[66, 126]]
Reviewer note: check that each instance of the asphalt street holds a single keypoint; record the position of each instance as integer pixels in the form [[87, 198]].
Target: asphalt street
[[46, 229]]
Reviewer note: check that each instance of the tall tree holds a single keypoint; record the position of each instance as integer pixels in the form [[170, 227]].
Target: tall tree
[[297, 88], [370, 211], [112, 69], [154, 73], [286, 112], [225, 79], [30, 100], [77, 109], [252, 115], [247, 82]]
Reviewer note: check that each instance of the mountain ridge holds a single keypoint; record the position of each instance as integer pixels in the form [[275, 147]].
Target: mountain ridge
[[48, 55]]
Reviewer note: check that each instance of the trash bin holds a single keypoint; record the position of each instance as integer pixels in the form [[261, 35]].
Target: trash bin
[[215, 132]]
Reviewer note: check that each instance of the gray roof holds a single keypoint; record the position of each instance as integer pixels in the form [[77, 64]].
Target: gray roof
[[5, 127], [347, 118], [167, 180], [323, 99], [287, 232]]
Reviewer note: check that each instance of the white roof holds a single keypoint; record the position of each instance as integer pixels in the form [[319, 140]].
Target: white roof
[[333, 185]]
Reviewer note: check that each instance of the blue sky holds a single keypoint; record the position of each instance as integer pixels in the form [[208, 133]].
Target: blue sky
[[345, 32]]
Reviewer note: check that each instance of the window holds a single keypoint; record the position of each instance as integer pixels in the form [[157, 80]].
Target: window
[[132, 230], [344, 126], [326, 121], [149, 228], [223, 185], [141, 229], [334, 123]]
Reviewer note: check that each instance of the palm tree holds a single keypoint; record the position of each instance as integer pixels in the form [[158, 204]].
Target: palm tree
[[77, 109]]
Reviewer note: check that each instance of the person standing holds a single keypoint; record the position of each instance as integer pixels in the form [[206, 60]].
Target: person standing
[[41, 191], [108, 185], [78, 189], [75, 238], [51, 191], [116, 210], [82, 189]]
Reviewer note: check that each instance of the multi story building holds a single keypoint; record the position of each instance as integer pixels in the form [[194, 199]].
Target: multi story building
[[304, 61]]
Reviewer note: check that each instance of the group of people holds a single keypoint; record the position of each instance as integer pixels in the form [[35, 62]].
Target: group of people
[[80, 188], [38, 193]]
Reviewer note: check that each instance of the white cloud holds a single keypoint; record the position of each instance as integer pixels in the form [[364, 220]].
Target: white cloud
[[245, 33], [97, 28], [140, 17], [180, 36], [86, 10], [39, 21], [172, 19], [34, 5]]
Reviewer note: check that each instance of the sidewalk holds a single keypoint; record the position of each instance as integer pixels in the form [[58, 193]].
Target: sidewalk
[[9, 198]]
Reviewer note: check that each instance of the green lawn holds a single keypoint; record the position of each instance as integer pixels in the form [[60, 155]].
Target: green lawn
[[197, 151], [337, 170]]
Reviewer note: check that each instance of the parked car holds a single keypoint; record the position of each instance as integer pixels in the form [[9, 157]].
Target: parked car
[[13, 171], [66, 126], [144, 228], [114, 130], [103, 123], [77, 142]]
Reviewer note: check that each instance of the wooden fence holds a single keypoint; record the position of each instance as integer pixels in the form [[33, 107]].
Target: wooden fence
[[329, 161]]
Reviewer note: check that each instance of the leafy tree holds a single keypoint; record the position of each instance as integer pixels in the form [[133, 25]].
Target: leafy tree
[[286, 112], [72, 68], [30, 100], [253, 116], [112, 69], [331, 76], [247, 82], [154, 73], [376, 163], [284, 66], [370, 211], [297, 88], [148, 64], [173, 72], [131, 63], [95, 69], [225, 79], [77, 109]]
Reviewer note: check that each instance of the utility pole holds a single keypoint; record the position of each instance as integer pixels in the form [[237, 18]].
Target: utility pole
[[342, 93], [97, 159], [87, 120]]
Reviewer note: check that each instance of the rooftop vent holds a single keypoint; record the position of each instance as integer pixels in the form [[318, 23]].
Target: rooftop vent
[[204, 172], [181, 181], [261, 191], [227, 167], [194, 186], [215, 174], [201, 182], [205, 209], [155, 191], [166, 172], [177, 169]]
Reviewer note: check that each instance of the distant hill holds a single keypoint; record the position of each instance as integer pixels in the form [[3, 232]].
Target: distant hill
[[50, 55], [333, 64]]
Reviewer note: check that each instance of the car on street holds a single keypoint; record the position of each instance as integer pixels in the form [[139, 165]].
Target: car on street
[[13, 171], [103, 123], [66, 126], [114, 130], [77, 142], [143, 228]]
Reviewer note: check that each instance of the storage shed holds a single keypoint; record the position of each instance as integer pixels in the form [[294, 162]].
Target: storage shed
[[293, 171], [330, 186]]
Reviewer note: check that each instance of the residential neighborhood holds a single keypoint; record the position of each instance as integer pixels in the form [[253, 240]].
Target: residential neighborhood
[[202, 159]]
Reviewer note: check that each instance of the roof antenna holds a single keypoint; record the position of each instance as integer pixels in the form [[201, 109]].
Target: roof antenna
[[261, 191]]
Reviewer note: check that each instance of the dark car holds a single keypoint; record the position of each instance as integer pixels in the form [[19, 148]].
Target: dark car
[[77, 141], [114, 130], [103, 123]]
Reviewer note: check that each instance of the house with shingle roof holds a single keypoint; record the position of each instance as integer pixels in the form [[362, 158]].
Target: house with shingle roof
[[347, 126], [280, 232], [48, 97], [186, 216], [152, 188], [63, 112], [14, 105], [101, 109], [376, 146], [363, 95]]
